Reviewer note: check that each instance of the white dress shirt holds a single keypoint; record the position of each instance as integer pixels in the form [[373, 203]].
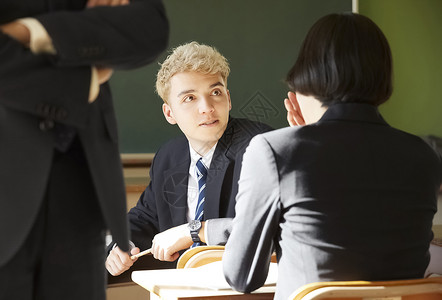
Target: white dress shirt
[[192, 185]]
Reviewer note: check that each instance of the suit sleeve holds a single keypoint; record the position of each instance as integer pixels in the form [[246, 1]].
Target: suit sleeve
[[143, 218], [218, 231], [248, 251], [27, 81]]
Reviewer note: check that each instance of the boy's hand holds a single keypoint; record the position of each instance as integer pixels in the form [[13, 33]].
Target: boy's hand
[[165, 245], [119, 261]]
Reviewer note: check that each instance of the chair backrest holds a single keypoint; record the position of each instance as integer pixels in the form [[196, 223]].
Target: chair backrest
[[418, 289], [202, 255], [199, 256]]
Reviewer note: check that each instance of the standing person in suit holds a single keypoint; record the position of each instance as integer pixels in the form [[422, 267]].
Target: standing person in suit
[[345, 196], [192, 82], [61, 181]]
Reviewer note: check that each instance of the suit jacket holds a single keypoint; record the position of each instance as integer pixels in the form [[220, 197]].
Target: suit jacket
[[163, 204], [38, 91], [346, 198]]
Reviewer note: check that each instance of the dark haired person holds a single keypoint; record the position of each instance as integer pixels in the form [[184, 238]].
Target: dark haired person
[[346, 196]]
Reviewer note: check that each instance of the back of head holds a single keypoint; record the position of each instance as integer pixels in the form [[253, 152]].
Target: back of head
[[190, 57], [344, 58]]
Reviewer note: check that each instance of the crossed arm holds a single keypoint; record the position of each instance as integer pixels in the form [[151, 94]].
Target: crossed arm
[[88, 43], [21, 33]]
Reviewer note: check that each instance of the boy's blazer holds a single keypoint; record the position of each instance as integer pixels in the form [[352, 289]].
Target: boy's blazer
[[164, 202]]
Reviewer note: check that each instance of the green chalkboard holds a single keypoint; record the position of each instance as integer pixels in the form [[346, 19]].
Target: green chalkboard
[[260, 38]]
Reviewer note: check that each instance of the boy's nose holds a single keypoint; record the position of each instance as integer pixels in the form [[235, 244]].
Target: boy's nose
[[206, 105]]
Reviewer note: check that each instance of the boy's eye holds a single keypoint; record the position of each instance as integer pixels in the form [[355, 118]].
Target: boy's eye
[[189, 98], [216, 92]]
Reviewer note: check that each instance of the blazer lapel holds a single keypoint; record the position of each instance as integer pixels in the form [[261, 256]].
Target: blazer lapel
[[216, 175], [175, 191]]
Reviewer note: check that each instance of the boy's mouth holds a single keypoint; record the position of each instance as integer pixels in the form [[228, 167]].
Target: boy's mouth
[[209, 123]]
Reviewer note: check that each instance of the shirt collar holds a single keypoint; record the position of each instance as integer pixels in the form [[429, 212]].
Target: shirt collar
[[207, 158]]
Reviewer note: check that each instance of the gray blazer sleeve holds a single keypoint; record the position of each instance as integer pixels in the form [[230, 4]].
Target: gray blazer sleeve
[[218, 231], [248, 251]]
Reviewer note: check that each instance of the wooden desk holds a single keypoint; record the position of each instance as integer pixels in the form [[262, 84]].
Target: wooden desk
[[176, 285], [149, 280], [171, 293]]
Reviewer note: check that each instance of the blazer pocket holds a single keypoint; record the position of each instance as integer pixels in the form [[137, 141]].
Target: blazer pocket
[[111, 126]]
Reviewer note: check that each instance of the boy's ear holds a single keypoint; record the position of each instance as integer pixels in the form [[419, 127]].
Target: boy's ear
[[168, 114], [230, 101]]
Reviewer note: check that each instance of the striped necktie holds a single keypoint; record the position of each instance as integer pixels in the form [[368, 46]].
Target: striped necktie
[[201, 175]]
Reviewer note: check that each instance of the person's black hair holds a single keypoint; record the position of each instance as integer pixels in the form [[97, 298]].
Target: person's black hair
[[344, 58]]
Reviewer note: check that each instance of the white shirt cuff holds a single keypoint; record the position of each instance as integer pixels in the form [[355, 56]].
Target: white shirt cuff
[[40, 41], [131, 246], [95, 86], [205, 232]]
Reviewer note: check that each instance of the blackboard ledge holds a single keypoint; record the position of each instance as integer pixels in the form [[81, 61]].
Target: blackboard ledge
[[137, 160]]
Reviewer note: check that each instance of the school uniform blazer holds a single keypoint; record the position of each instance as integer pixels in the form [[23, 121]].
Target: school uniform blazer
[[163, 204], [345, 198], [38, 91]]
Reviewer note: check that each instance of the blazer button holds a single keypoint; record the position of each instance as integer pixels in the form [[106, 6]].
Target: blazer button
[[46, 124], [43, 109], [61, 114]]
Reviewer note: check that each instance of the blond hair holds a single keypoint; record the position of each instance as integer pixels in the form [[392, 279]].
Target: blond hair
[[190, 57]]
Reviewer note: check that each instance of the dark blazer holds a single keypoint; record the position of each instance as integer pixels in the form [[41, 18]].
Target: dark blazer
[[346, 198], [164, 202], [39, 91]]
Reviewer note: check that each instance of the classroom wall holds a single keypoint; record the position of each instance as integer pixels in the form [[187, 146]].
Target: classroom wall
[[438, 217], [413, 29]]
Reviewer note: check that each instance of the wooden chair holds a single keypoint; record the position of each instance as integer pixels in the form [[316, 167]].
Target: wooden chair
[[417, 289], [199, 256], [202, 255]]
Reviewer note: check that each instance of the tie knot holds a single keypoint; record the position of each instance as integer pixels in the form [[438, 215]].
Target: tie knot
[[201, 170]]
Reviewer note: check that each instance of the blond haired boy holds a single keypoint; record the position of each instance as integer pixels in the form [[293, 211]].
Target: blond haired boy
[[192, 82]]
